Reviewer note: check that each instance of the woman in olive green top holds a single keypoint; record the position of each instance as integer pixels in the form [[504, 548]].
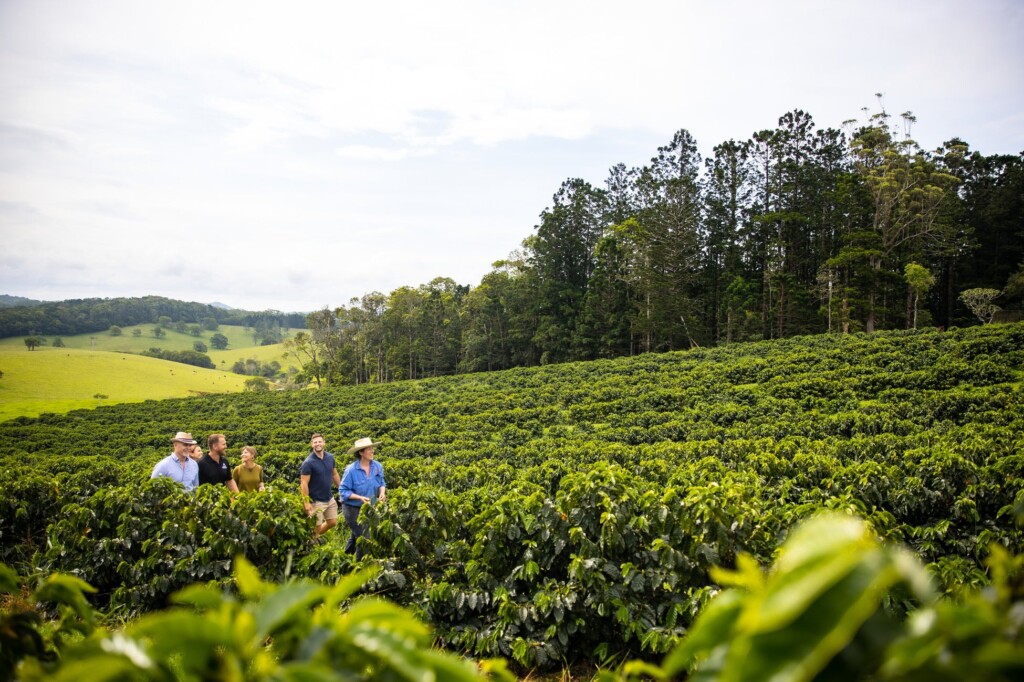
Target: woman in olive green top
[[248, 475]]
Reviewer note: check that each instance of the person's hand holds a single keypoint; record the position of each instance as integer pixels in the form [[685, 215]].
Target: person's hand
[[309, 509]]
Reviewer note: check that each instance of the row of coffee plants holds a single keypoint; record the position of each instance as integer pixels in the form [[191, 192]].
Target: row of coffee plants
[[560, 512], [819, 613]]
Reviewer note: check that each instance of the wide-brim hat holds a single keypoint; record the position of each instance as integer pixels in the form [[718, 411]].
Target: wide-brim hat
[[361, 444], [184, 437]]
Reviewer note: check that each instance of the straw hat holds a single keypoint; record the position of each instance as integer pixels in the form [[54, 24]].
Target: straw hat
[[184, 437], [361, 444]]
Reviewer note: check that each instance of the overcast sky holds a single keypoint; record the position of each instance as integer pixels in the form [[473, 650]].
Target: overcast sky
[[292, 155]]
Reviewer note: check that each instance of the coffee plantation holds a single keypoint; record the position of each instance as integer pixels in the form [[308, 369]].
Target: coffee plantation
[[575, 512]]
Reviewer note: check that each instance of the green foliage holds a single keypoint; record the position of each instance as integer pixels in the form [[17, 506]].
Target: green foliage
[[196, 358], [257, 384], [219, 341], [567, 512], [824, 611], [828, 581], [299, 629], [21, 623], [979, 301], [256, 368]]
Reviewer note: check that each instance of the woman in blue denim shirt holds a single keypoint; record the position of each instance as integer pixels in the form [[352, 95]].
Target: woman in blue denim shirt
[[362, 482]]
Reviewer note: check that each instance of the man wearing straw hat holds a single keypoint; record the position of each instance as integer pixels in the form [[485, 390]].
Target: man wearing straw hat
[[178, 465]]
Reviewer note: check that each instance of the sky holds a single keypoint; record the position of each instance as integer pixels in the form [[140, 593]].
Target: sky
[[291, 156]]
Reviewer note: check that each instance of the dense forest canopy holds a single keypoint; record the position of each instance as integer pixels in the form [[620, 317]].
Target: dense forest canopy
[[81, 316], [796, 230]]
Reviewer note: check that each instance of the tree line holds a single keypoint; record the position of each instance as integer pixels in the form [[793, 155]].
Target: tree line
[[796, 230], [82, 316]]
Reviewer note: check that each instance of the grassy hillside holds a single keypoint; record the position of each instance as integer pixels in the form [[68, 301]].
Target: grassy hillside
[[39, 381], [240, 343], [64, 379]]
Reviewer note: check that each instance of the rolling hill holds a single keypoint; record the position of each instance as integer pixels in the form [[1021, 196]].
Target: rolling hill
[[63, 379], [57, 380]]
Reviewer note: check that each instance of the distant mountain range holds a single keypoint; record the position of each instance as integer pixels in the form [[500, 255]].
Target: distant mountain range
[[24, 317], [7, 301]]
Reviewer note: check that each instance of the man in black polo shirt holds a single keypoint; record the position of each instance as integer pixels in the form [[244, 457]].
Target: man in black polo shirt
[[316, 475], [214, 467]]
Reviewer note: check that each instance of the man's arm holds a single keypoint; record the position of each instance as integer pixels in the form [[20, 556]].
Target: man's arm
[[232, 486], [304, 487]]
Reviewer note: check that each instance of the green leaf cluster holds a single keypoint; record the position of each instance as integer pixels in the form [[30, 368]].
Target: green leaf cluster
[[297, 630]]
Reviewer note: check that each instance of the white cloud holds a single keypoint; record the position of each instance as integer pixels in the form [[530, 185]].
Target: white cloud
[[367, 153], [423, 137]]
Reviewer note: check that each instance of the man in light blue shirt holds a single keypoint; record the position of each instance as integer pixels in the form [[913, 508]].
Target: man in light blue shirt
[[178, 465]]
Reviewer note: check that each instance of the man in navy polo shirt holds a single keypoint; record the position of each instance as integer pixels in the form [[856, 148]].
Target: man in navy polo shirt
[[214, 467], [316, 476]]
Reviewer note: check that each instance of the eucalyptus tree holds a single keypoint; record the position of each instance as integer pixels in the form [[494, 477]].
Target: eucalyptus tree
[[919, 281], [402, 321], [441, 329], [307, 353], [605, 327], [325, 333], [369, 339], [668, 237], [906, 189], [485, 341]]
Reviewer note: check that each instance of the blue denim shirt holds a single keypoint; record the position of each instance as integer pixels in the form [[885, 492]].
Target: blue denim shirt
[[356, 482], [170, 466]]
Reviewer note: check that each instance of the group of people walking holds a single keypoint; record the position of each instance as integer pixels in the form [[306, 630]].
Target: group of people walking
[[362, 481], [190, 467]]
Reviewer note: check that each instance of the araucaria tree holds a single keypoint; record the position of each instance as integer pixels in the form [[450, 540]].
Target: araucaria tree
[[906, 190], [797, 229]]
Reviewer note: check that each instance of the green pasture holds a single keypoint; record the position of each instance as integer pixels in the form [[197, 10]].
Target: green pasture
[[64, 379], [240, 344]]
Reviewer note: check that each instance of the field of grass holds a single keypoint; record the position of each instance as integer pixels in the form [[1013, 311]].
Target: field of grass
[[240, 344], [64, 379]]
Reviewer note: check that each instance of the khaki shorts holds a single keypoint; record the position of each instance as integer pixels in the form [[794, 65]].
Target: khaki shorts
[[325, 511]]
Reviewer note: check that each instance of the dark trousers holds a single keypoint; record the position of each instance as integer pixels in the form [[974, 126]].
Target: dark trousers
[[351, 515]]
